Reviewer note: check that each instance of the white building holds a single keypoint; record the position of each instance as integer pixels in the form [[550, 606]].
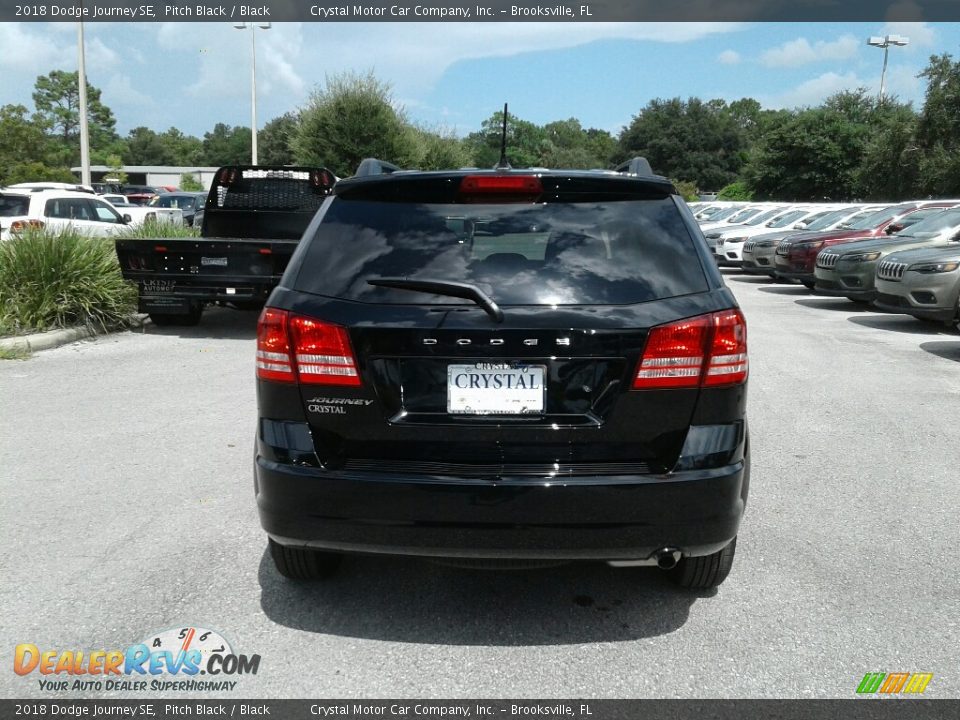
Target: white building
[[153, 175]]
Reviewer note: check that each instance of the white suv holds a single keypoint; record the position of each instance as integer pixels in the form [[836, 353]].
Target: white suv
[[58, 209]]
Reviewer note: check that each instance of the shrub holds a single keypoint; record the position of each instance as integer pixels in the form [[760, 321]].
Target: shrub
[[54, 279], [154, 229], [735, 191]]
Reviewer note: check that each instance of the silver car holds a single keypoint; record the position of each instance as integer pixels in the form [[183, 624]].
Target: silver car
[[923, 282]]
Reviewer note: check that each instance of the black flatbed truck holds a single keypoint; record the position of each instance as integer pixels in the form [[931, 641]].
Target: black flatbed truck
[[253, 219]]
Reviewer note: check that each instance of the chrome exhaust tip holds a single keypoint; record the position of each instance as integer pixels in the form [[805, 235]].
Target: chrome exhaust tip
[[667, 558]]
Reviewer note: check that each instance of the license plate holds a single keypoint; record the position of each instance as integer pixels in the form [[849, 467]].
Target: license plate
[[495, 389], [217, 261]]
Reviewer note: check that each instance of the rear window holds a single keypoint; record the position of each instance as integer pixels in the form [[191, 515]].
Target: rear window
[[589, 253], [14, 205]]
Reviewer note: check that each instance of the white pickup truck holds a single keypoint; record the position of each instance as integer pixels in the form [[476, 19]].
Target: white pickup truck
[[141, 213]]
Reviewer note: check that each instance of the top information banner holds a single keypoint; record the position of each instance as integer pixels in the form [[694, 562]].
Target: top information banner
[[484, 11]]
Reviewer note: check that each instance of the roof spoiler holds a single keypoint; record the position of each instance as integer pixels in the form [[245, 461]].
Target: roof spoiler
[[372, 166], [635, 166]]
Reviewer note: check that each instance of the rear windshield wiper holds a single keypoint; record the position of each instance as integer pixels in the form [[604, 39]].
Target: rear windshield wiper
[[444, 287]]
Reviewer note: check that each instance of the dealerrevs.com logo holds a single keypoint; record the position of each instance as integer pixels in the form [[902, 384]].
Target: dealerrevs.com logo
[[188, 659]]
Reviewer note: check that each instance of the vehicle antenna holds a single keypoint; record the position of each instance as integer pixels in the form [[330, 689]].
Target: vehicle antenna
[[503, 163]]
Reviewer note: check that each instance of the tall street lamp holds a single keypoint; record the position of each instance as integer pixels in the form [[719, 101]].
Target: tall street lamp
[[82, 92], [253, 82], [885, 42]]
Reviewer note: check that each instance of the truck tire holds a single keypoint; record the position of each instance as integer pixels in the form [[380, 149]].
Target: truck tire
[[303, 563], [178, 319], [708, 571]]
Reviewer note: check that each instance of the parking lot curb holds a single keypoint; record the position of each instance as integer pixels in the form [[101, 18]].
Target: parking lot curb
[[56, 338]]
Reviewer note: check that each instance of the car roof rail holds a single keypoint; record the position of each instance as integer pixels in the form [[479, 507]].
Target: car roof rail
[[635, 166], [373, 166]]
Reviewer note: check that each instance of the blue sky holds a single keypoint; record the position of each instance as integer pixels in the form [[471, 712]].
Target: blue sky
[[454, 75]]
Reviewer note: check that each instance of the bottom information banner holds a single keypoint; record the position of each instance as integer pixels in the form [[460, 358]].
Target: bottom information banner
[[865, 709]]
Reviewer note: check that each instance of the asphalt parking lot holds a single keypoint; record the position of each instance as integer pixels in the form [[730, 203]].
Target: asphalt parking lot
[[128, 509]]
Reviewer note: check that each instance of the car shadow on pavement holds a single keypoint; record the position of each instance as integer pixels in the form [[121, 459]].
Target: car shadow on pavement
[[840, 304], [786, 290], [897, 322], [946, 350], [216, 323], [751, 279], [400, 599]]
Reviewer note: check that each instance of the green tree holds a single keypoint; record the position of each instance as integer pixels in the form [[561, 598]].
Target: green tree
[[702, 141], [184, 149], [569, 145], [439, 150], [35, 172], [816, 153], [890, 165], [938, 128], [351, 118], [688, 190], [189, 183], [116, 169], [735, 191], [146, 147], [274, 142], [22, 141], [527, 143], [226, 145], [57, 100]]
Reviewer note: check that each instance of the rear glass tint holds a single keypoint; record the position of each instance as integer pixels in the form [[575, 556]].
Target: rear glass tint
[[14, 205], [590, 253]]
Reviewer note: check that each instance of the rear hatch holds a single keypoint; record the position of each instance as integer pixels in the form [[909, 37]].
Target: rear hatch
[[467, 335]]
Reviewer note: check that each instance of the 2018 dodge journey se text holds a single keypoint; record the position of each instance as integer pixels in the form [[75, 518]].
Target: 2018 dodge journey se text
[[516, 366]]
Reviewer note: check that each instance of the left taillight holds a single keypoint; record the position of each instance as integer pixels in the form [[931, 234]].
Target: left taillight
[[292, 348], [707, 350], [273, 347]]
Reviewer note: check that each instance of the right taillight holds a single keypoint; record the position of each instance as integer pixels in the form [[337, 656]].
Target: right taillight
[[293, 348], [21, 225], [707, 350]]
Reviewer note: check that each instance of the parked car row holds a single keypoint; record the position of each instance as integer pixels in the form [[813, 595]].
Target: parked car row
[[903, 258]]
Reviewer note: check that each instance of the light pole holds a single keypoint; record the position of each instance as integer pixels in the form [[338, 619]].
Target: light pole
[[885, 42], [253, 82], [84, 129]]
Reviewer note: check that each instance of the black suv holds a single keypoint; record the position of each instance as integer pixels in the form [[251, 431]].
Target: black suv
[[506, 365]]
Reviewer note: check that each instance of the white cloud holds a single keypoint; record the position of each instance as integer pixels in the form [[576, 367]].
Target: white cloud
[[801, 52], [729, 57], [413, 65], [920, 34], [27, 51], [119, 91], [814, 91]]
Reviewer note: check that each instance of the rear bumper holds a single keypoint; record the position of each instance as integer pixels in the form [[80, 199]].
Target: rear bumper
[[596, 518]]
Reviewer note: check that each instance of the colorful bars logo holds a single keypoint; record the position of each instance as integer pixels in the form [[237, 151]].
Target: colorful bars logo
[[893, 683]]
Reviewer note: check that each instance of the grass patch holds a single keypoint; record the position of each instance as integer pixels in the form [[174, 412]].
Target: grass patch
[[15, 353], [57, 279], [154, 229]]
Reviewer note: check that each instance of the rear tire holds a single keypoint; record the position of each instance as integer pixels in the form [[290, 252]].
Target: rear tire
[[809, 285], [178, 319], [303, 563], [703, 573]]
